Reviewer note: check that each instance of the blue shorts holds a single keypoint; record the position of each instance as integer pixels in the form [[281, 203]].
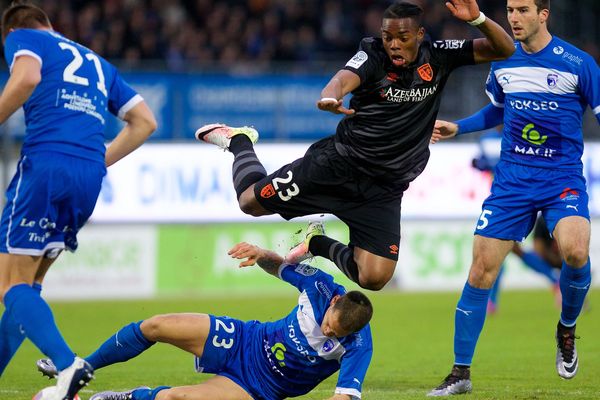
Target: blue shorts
[[233, 350], [520, 191], [49, 199]]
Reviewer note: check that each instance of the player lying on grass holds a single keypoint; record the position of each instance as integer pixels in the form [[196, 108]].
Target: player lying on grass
[[327, 331]]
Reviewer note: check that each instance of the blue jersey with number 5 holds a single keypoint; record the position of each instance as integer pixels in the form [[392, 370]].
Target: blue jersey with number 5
[[67, 111]]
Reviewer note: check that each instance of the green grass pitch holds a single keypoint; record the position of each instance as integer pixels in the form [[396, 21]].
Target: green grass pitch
[[413, 346]]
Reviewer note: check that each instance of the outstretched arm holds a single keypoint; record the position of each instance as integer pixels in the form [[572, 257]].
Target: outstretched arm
[[497, 44], [486, 118], [266, 259], [24, 78], [342, 83]]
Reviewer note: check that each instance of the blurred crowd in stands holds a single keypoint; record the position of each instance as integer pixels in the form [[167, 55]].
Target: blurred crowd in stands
[[182, 35]]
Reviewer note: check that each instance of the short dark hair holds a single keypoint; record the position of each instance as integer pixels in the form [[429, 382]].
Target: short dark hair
[[23, 15], [404, 9], [355, 311], [542, 4]]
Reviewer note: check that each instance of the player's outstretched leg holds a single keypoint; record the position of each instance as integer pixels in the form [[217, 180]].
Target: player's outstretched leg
[[127, 343], [315, 243], [375, 272], [457, 382], [247, 168]]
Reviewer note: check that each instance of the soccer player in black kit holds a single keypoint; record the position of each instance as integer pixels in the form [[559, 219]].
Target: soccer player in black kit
[[360, 173]]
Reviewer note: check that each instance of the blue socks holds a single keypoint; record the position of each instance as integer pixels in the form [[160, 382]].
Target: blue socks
[[574, 285], [27, 309], [468, 322], [537, 263], [147, 394], [127, 343], [11, 335]]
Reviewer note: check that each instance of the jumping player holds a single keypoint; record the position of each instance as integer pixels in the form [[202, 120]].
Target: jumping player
[[327, 331], [66, 91], [541, 94], [361, 173]]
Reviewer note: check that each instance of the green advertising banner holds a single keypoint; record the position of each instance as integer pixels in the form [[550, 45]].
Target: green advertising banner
[[192, 259]]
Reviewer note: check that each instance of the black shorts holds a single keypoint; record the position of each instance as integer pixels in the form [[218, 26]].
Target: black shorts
[[323, 182]]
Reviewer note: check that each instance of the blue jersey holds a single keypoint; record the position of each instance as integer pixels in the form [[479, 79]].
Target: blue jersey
[[298, 353], [291, 356], [544, 96], [67, 111]]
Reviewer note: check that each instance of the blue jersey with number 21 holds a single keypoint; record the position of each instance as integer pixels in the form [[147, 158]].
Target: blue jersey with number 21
[[67, 111]]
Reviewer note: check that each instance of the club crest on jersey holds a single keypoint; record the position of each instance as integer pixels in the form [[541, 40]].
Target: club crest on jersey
[[267, 191], [425, 72], [328, 346], [552, 80], [305, 270]]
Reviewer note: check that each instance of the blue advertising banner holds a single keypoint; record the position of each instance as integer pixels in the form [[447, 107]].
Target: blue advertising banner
[[280, 107]]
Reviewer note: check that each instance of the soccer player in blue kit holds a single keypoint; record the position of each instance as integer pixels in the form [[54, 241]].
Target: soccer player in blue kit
[[540, 93], [327, 331], [66, 91]]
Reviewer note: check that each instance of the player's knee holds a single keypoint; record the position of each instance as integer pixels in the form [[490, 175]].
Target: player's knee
[[577, 256], [152, 327], [184, 393], [481, 277], [376, 281]]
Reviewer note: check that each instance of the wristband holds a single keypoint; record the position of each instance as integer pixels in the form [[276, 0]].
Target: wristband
[[477, 21], [329, 99]]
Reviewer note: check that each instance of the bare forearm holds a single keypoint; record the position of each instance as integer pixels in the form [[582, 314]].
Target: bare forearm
[[500, 42], [14, 95], [333, 89], [126, 141], [269, 261], [140, 125]]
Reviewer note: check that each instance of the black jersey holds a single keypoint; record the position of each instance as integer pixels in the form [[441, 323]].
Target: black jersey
[[388, 136]]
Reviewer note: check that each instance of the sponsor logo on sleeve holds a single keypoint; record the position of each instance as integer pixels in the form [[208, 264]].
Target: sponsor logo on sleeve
[[558, 50], [449, 44], [358, 60], [305, 270], [323, 289]]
